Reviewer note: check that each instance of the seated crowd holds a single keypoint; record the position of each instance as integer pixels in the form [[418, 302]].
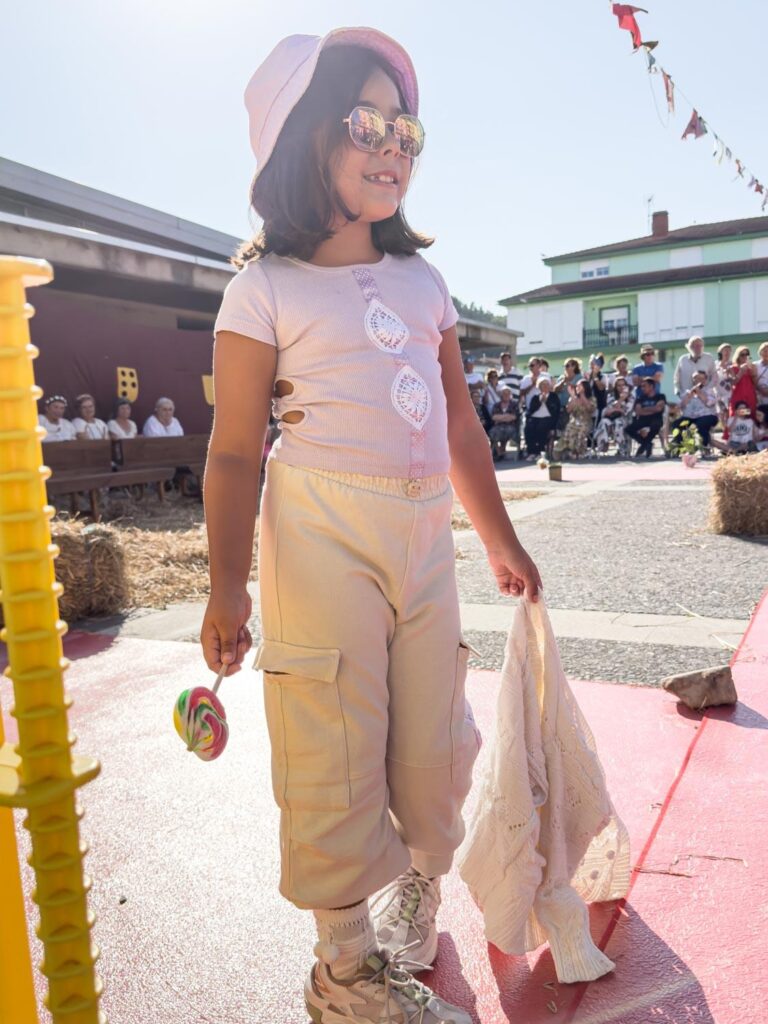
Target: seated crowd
[[86, 426], [593, 411]]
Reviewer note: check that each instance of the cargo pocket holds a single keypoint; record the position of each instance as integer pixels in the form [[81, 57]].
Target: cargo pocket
[[310, 764], [458, 709]]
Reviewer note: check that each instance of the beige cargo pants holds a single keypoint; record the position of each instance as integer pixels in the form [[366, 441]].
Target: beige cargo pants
[[364, 668]]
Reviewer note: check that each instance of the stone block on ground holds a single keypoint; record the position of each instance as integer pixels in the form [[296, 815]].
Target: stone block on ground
[[703, 689]]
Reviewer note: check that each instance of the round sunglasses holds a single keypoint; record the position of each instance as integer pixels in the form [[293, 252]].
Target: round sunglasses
[[368, 131]]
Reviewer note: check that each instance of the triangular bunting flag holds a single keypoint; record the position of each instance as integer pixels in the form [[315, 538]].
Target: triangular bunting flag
[[739, 168], [669, 89], [697, 126], [651, 60], [626, 15]]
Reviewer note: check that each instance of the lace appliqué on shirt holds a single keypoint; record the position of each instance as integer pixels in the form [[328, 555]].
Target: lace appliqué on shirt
[[411, 397], [385, 328]]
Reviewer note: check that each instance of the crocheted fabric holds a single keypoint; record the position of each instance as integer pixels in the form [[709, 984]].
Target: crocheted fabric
[[544, 836]]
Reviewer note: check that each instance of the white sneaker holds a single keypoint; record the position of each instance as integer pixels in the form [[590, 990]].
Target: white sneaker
[[404, 916], [383, 992]]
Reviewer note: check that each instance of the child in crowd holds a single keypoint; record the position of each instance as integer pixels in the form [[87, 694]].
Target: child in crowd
[[336, 316], [742, 432]]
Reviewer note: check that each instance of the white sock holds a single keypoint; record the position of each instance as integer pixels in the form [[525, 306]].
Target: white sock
[[346, 938]]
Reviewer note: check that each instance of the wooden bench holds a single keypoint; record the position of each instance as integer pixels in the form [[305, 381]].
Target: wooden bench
[[191, 451], [87, 466]]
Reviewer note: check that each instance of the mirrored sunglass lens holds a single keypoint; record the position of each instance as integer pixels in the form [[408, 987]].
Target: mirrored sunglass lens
[[410, 135], [367, 128]]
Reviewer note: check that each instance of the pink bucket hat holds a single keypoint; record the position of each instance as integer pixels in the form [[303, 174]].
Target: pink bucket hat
[[281, 80]]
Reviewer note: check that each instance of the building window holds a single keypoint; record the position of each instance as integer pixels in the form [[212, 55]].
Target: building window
[[690, 256], [594, 269]]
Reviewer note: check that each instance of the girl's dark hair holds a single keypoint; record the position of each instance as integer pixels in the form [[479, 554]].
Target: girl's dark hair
[[586, 387], [294, 193]]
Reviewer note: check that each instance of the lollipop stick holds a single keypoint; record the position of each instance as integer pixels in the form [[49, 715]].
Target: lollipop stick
[[220, 676]]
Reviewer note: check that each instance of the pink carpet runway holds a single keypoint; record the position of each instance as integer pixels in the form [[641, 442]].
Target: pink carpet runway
[[184, 857]]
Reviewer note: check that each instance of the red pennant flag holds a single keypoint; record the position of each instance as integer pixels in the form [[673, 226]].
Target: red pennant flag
[[626, 15], [669, 89], [697, 126], [759, 188]]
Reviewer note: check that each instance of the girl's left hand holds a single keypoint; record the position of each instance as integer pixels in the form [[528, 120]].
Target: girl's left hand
[[515, 572]]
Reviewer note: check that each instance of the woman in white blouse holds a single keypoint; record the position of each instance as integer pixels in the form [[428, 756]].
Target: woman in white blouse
[[122, 427], [87, 426]]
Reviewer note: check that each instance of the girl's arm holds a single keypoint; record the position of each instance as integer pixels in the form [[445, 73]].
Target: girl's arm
[[243, 380], [475, 483]]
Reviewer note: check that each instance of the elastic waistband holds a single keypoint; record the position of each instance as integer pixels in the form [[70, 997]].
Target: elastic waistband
[[422, 489]]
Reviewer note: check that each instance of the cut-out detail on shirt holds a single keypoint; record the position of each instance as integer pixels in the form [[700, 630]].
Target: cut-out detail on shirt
[[283, 389], [385, 328], [411, 397]]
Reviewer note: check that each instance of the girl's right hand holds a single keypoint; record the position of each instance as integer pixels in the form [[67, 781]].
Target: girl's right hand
[[224, 635]]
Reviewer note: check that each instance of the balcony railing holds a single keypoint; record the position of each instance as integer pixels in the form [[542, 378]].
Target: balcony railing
[[614, 337]]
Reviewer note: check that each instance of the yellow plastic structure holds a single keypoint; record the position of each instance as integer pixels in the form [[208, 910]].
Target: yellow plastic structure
[[39, 774]]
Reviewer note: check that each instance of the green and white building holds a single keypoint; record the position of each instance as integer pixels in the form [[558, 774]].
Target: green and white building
[[706, 279]]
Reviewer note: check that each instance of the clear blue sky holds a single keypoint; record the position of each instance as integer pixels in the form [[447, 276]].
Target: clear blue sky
[[542, 133]]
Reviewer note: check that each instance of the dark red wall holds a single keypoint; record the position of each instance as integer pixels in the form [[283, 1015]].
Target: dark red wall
[[81, 348]]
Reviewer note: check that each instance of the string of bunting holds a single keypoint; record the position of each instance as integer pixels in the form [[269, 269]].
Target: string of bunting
[[697, 127]]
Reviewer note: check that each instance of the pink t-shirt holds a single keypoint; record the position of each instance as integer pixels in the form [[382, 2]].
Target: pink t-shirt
[[360, 345]]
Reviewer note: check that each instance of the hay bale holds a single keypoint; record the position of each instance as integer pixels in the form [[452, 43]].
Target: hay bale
[[91, 568], [739, 501]]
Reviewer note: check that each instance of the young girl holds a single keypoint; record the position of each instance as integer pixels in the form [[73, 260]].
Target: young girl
[[336, 318]]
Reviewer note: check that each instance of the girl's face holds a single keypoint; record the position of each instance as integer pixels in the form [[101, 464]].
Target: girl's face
[[87, 409], [124, 411], [580, 389], [725, 355], [357, 176]]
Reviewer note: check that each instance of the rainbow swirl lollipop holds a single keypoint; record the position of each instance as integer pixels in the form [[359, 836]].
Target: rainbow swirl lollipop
[[201, 721]]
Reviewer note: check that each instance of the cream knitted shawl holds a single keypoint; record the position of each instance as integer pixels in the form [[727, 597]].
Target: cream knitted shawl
[[544, 836]]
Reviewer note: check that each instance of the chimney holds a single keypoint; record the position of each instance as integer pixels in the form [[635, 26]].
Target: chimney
[[660, 224]]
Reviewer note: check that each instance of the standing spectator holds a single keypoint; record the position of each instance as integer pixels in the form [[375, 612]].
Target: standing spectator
[[492, 393], [648, 417], [620, 369], [571, 375], [698, 406], [529, 383], [471, 375], [743, 377], [761, 377], [56, 427], [724, 384], [541, 421], [482, 413], [598, 382], [163, 423], [87, 426], [510, 375], [505, 428], [581, 412], [122, 427], [648, 367], [697, 360]]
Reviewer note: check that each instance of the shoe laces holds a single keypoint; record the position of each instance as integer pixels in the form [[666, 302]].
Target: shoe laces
[[405, 900], [394, 971]]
